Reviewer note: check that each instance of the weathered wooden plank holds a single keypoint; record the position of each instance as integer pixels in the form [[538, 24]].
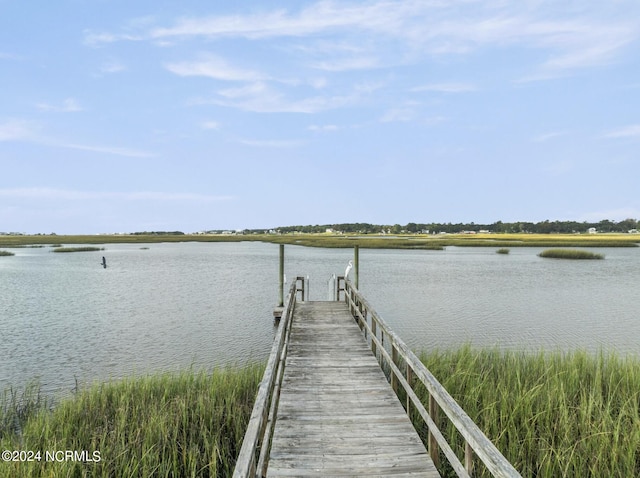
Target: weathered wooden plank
[[337, 414]]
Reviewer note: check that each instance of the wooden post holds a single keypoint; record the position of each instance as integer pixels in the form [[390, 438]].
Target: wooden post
[[434, 449], [277, 312], [409, 381], [394, 358], [374, 333], [281, 278], [468, 458], [356, 265]]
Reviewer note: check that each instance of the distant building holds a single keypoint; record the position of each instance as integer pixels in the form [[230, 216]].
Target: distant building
[[592, 230], [633, 231]]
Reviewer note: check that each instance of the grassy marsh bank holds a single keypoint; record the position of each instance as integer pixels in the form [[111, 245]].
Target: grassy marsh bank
[[569, 254], [550, 414], [6, 253], [185, 424], [77, 249], [407, 241]]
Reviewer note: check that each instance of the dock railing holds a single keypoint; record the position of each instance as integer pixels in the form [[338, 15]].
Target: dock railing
[[406, 370], [254, 453]]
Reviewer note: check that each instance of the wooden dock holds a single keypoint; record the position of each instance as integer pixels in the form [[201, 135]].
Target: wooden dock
[[325, 407], [337, 414]]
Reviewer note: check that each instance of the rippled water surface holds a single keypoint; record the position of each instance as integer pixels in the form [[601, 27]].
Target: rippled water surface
[[63, 317]]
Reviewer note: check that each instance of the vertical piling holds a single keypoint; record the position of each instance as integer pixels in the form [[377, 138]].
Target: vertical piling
[[356, 265], [277, 312], [281, 277]]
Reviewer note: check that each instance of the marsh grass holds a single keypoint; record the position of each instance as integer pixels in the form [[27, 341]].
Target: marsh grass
[[6, 253], [17, 407], [503, 250], [78, 249], [569, 254], [185, 424], [408, 241], [550, 414]]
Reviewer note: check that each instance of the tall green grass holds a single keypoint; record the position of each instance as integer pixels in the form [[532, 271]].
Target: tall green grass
[[186, 424], [17, 407], [6, 253], [550, 414]]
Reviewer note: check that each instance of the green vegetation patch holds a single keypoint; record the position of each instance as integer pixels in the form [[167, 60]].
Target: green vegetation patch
[[185, 424], [550, 414], [377, 241], [6, 253], [78, 249], [569, 254], [503, 250]]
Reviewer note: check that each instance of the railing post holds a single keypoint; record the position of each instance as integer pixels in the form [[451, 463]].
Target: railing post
[[394, 358], [374, 333], [409, 381], [468, 458], [434, 451]]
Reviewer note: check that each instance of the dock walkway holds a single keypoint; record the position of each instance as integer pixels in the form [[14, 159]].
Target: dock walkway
[[328, 401], [337, 414]]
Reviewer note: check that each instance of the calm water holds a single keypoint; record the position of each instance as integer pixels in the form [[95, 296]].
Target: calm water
[[63, 317]]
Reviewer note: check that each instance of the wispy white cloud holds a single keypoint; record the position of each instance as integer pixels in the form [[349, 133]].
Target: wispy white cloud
[[45, 193], [110, 150], [69, 105], [318, 83], [347, 64], [96, 39], [316, 18], [214, 67], [263, 98], [631, 131], [28, 131], [379, 33]]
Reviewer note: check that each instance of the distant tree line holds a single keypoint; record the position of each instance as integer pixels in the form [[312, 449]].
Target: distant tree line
[[543, 227], [158, 233]]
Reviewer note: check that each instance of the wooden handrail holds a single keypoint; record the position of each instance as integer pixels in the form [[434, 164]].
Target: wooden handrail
[[476, 442], [254, 454]]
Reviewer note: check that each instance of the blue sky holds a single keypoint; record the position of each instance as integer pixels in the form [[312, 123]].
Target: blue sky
[[121, 116]]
